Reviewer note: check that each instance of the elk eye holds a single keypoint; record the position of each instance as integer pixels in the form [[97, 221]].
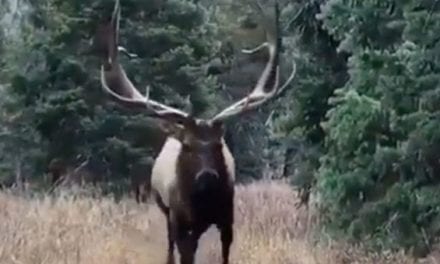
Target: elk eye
[[186, 147], [218, 146]]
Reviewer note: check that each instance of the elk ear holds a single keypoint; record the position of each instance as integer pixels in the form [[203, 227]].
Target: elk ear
[[189, 123], [169, 127]]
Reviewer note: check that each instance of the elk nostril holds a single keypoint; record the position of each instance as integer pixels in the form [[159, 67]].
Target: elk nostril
[[208, 175], [207, 179]]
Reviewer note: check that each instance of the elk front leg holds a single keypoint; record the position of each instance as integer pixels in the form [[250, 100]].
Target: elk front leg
[[225, 226], [226, 237], [171, 240], [188, 236], [186, 244]]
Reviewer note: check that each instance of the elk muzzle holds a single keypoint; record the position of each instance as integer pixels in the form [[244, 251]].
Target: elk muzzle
[[206, 180]]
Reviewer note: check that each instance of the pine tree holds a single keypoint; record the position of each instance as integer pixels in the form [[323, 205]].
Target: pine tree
[[381, 163], [55, 76]]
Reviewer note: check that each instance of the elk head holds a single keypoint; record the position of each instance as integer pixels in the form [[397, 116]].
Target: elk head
[[201, 139]]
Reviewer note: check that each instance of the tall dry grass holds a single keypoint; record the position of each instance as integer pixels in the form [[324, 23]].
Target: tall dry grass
[[269, 229]]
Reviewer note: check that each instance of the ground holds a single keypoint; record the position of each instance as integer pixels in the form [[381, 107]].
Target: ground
[[269, 228]]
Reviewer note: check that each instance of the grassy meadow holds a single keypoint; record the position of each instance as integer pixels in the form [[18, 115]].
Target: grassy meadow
[[269, 228]]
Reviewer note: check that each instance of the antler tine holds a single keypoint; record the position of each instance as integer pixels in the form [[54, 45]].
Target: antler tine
[[251, 51], [136, 99], [126, 53], [270, 76], [114, 79], [114, 33]]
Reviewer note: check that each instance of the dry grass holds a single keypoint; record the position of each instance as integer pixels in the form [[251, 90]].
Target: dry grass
[[269, 229]]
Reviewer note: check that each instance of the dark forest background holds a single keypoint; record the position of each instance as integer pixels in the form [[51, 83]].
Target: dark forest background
[[358, 129]]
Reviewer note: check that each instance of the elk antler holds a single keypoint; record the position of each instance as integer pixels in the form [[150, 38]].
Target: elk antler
[[267, 86], [114, 80]]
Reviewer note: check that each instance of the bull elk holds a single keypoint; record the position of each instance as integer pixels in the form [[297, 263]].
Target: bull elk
[[57, 168], [192, 178], [140, 182], [87, 172]]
